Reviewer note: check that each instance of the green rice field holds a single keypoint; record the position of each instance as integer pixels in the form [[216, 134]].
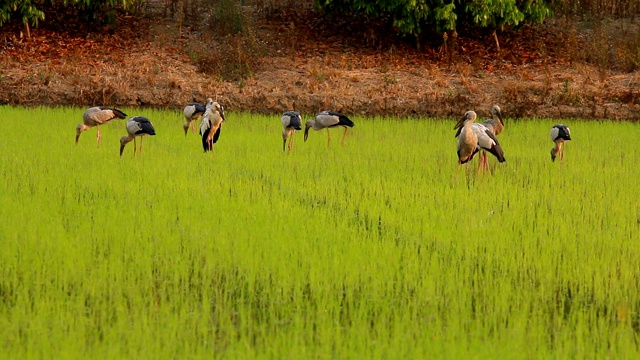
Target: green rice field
[[379, 248]]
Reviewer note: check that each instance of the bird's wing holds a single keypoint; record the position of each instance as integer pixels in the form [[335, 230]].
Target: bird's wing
[[140, 125], [332, 118], [326, 120], [286, 119], [554, 132], [486, 139], [216, 136], [295, 121], [105, 114], [205, 125], [194, 109], [490, 124]]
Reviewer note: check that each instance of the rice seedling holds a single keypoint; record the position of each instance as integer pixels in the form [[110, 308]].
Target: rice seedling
[[378, 248]]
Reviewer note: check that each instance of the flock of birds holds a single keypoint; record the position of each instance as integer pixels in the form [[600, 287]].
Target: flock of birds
[[481, 137], [473, 138]]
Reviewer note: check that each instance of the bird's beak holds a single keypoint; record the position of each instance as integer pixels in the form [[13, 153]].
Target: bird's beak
[[77, 137], [306, 133], [499, 113], [121, 149], [460, 122]]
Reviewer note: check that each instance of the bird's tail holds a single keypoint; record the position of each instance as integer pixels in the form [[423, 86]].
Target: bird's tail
[[119, 114], [497, 151], [345, 121]]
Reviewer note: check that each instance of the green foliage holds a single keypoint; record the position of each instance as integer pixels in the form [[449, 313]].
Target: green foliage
[[26, 10], [92, 10], [494, 13], [413, 17]]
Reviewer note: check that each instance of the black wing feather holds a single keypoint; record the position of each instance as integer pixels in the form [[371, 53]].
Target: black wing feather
[[205, 145], [200, 109], [117, 113], [496, 149], [343, 120], [145, 126]]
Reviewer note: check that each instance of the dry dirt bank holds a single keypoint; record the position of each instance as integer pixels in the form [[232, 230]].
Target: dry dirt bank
[[151, 64]]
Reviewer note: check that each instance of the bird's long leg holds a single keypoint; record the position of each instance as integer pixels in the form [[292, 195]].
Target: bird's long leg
[[344, 135], [328, 137], [141, 145], [99, 136], [193, 127], [135, 147], [485, 161], [291, 140]]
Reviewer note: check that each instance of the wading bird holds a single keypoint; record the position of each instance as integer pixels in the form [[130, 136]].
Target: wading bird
[[475, 137], [328, 119], [193, 111], [97, 116], [559, 133], [137, 126], [495, 125], [291, 121], [211, 125]]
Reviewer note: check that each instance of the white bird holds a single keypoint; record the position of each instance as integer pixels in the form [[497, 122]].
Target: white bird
[[97, 116], [211, 125], [475, 137], [193, 111], [137, 126], [291, 121], [328, 119], [559, 133]]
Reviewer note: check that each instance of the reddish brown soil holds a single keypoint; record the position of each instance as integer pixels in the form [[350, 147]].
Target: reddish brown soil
[[309, 67]]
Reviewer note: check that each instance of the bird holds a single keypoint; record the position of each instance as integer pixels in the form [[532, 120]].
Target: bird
[[137, 126], [328, 119], [211, 125], [467, 138], [97, 116], [559, 133], [474, 137], [495, 125], [193, 111], [291, 121]]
